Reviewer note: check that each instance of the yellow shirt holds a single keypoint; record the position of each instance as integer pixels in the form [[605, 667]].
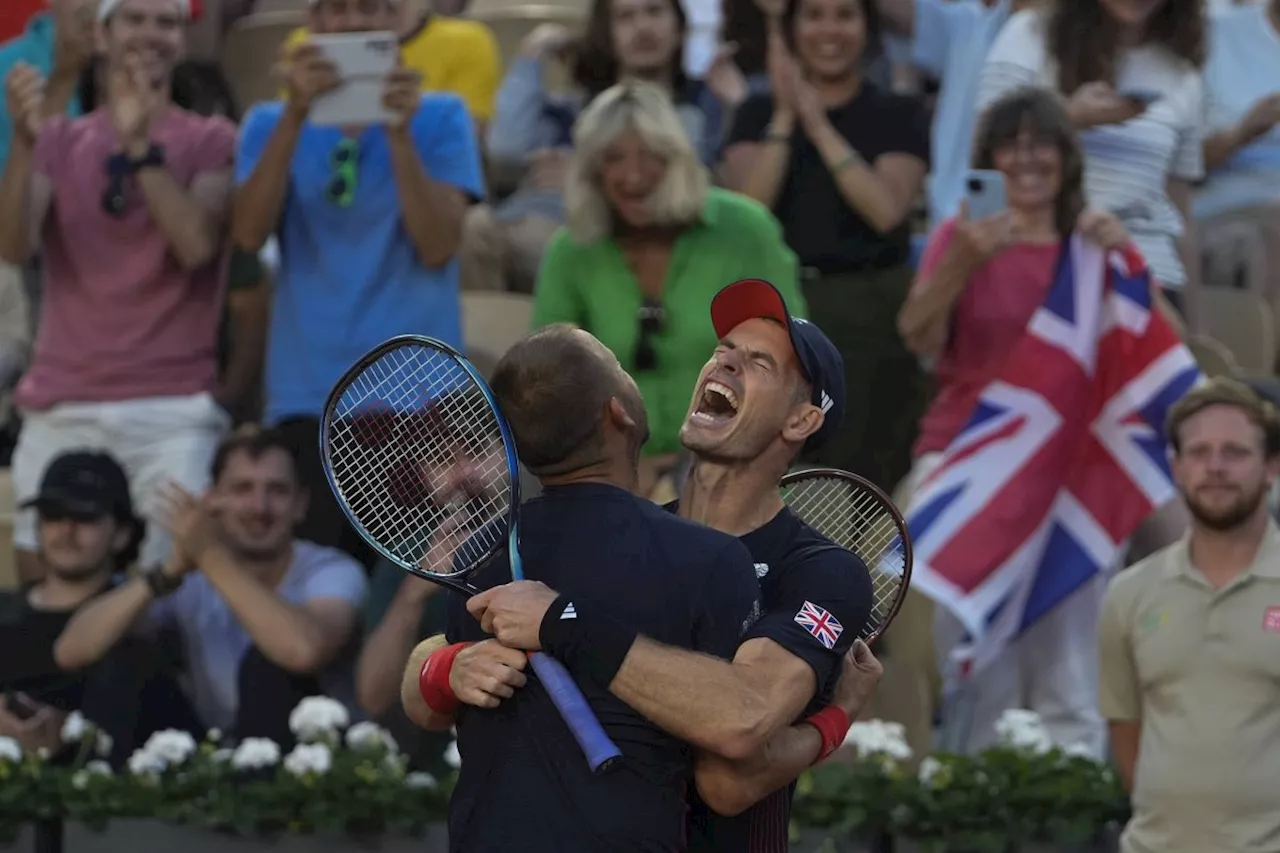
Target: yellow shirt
[[452, 55]]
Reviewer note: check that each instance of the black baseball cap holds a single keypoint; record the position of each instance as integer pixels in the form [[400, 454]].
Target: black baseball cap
[[85, 482], [753, 298]]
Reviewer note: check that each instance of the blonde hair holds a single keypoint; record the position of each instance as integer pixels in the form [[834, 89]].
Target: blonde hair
[[647, 110]]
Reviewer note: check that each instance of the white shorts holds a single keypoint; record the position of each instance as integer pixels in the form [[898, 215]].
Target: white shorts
[[156, 439]]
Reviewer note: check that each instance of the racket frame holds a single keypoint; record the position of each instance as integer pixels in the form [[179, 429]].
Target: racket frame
[[803, 474], [602, 754]]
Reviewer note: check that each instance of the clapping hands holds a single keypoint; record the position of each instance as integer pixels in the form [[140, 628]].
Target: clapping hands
[[24, 97], [134, 101], [189, 520]]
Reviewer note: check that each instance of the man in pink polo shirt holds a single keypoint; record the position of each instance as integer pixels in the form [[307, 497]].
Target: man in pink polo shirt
[[127, 206]]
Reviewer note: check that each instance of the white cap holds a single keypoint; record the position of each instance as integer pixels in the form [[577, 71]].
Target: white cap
[[106, 7]]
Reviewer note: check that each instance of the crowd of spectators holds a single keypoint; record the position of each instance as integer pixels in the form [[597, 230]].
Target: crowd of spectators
[[182, 285]]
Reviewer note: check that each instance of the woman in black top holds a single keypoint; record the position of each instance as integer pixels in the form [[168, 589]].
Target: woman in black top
[[841, 163]]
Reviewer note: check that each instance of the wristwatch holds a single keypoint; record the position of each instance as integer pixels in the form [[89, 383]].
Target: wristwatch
[[161, 584]]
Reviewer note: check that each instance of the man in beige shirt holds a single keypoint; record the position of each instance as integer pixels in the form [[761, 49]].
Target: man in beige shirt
[[1190, 643]]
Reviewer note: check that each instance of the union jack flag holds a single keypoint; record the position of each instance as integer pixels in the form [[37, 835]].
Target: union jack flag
[[820, 623], [1061, 460]]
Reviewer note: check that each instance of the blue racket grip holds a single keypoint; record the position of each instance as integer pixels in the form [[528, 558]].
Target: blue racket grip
[[568, 699]]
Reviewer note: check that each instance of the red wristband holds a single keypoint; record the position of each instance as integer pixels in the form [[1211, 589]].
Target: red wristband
[[833, 724], [433, 680]]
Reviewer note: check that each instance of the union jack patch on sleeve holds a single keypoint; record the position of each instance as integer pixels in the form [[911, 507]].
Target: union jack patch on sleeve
[[820, 623]]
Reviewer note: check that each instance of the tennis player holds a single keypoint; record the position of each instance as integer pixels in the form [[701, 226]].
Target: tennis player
[[525, 785], [773, 387]]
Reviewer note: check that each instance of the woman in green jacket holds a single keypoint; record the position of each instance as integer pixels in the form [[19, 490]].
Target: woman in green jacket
[[647, 243]]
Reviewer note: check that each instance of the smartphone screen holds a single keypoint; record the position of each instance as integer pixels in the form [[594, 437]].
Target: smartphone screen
[[984, 193]]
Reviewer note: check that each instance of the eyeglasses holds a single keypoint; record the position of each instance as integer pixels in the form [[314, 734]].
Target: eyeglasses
[[652, 318], [342, 186]]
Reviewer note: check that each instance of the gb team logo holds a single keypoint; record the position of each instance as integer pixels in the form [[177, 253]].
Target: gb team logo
[[825, 627]]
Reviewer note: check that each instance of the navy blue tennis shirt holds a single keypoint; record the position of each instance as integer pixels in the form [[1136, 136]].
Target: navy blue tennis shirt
[[817, 598], [524, 783]]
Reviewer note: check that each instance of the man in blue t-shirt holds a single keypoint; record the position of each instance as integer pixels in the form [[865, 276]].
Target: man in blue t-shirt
[[368, 221], [773, 387], [525, 785]]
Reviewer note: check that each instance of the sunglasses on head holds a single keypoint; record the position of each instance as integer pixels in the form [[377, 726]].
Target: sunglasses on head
[[652, 318]]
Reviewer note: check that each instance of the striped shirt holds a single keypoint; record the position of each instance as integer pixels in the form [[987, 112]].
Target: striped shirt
[[1128, 165]]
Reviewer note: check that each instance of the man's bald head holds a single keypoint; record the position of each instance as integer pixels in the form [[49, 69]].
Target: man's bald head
[[555, 387]]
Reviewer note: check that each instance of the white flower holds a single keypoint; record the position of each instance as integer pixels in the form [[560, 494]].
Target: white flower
[[171, 746], [422, 781], [1021, 729], [367, 735], [213, 735], [10, 750], [930, 768], [42, 753], [1080, 749], [144, 763], [451, 755], [317, 716], [879, 738], [255, 753], [308, 758], [74, 727], [93, 768], [221, 756], [104, 744]]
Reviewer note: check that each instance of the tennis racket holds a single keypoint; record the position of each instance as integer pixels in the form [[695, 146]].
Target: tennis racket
[[424, 465], [855, 515]]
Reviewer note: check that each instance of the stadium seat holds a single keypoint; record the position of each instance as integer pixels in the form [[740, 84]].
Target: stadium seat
[[491, 323], [1241, 249], [264, 7], [1214, 358], [1244, 321], [251, 51]]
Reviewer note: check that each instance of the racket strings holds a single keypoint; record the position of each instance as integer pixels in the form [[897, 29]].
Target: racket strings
[[856, 519], [415, 450]]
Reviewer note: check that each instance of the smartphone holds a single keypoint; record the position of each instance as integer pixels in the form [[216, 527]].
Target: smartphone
[[984, 193], [1146, 97], [363, 61]]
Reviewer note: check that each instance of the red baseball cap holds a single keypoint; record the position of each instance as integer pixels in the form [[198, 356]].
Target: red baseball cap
[[820, 361]]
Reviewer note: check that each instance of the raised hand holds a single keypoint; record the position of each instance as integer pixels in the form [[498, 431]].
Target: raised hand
[[1097, 103], [859, 675], [546, 41], [977, 240], [188, 520], [1102, 228], [724, 78], [1262, 116], [24, 97], [307, 73], [133, 101], [402, 95]]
